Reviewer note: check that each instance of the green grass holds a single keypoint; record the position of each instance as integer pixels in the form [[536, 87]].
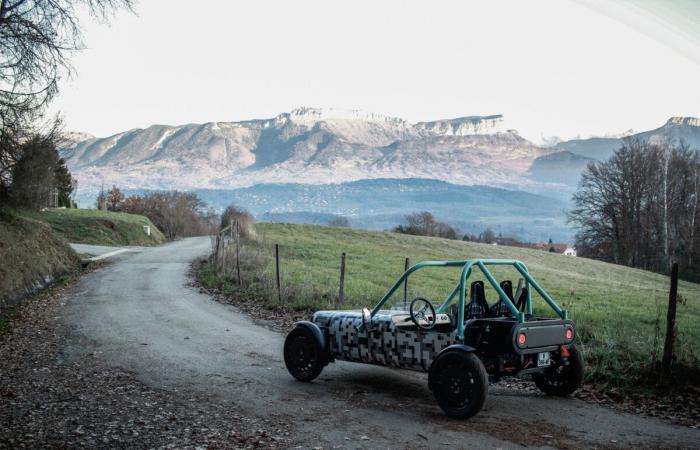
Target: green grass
[[620, 312], [90, 226], [29, 253]]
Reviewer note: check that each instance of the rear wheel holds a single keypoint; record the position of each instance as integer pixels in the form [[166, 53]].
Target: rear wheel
[[562, 379], [460, 383], [303, 354]]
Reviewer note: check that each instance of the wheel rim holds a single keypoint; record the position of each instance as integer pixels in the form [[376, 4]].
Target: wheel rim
[[457, 384], [557, 376], [301, 353]]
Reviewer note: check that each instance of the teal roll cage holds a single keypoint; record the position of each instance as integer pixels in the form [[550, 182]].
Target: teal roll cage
[[461, 288]]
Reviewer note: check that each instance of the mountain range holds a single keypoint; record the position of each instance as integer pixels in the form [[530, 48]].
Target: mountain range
[[318, 146], [312, 146], [565, 165], [306, 145]]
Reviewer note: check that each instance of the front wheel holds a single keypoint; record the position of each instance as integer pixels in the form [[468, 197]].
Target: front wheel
[[562, 379], [460, 383], [303, 354]]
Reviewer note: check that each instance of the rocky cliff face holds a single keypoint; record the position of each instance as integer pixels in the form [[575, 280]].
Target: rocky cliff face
[[321, 146], [463, 126], [307, 145], [684, 121]]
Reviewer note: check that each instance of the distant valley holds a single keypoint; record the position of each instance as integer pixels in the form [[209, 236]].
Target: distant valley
[[382, 204]]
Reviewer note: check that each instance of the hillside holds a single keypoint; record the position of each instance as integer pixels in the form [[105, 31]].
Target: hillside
[[90, 226], [32, 256], [616, 308], [562, 167], [675, 129]]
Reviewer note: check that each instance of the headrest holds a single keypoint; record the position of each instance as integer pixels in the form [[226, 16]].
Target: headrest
[[507, 287]]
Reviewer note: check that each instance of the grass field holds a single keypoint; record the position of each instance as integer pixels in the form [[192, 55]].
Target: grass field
[[620, 311], [90, 226]]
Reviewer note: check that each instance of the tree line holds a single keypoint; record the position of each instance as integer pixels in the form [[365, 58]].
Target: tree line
[[423, 223], [640, 207], [176, 214]]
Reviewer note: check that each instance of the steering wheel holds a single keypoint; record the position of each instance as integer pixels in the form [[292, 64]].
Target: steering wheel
[[422, 309]]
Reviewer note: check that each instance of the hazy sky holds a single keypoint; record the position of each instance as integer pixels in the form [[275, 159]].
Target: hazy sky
[[561, 68]]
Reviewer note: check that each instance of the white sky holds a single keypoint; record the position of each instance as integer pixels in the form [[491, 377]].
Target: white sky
[[554, 67]]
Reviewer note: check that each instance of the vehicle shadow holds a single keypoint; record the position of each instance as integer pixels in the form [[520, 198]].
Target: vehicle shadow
[[406, 395]]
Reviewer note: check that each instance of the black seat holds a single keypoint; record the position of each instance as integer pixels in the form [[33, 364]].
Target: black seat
[[500, 309], [521, 296], [477, 307]]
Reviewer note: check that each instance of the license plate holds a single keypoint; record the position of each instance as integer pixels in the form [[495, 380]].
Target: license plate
[[544, 359]]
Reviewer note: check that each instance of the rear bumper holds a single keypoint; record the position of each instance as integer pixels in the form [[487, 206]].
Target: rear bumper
[[542, 336]]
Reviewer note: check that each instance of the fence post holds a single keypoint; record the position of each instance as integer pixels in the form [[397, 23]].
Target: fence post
[[238, 259], [670, 327], [216, 256], [277, 270], [406, 264], [223, 254], [341, 292]]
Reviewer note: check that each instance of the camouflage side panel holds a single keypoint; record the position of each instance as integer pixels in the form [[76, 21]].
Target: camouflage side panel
[[385, 344]]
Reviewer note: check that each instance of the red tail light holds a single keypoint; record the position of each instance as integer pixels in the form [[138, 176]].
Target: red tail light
[[522, 338], [569, 334]]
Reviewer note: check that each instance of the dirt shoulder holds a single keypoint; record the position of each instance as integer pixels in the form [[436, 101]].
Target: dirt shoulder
[[676, 408], [49, 400], [32, 257]]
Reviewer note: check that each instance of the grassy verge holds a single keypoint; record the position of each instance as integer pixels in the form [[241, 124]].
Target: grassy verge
[[620, 311], [31, 256], [90, 226]]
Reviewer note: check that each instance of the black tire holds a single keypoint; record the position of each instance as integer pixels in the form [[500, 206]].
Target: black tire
[[303, 354], [459, 382], [562, 380]]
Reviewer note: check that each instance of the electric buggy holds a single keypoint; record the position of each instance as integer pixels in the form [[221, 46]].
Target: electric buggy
[[461, 342]]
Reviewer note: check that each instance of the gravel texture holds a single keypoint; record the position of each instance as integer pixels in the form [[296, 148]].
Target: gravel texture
[[48, 400]]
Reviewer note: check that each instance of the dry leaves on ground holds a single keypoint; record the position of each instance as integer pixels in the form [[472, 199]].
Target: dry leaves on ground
[[50, 400]]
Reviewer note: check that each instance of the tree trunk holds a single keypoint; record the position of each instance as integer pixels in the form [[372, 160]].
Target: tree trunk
[[693, 215], [666, 157]]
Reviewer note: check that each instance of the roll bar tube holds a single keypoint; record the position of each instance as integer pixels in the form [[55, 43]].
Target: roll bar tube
[[461, 288]]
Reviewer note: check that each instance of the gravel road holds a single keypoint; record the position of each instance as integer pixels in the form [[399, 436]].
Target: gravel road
[[139, 315]]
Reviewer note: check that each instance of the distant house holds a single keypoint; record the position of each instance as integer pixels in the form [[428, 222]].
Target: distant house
[[562, 249]]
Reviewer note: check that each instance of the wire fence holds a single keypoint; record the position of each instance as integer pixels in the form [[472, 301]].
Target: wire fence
[[255, 264]]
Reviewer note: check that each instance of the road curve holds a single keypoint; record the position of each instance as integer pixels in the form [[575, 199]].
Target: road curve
[[139, 314]]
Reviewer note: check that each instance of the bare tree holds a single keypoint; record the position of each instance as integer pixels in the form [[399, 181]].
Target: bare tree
[[115, 198], [176, 214], [424, 224], [37, 38], [245, 220], [488, 236], [639, 208], [693, 210]]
